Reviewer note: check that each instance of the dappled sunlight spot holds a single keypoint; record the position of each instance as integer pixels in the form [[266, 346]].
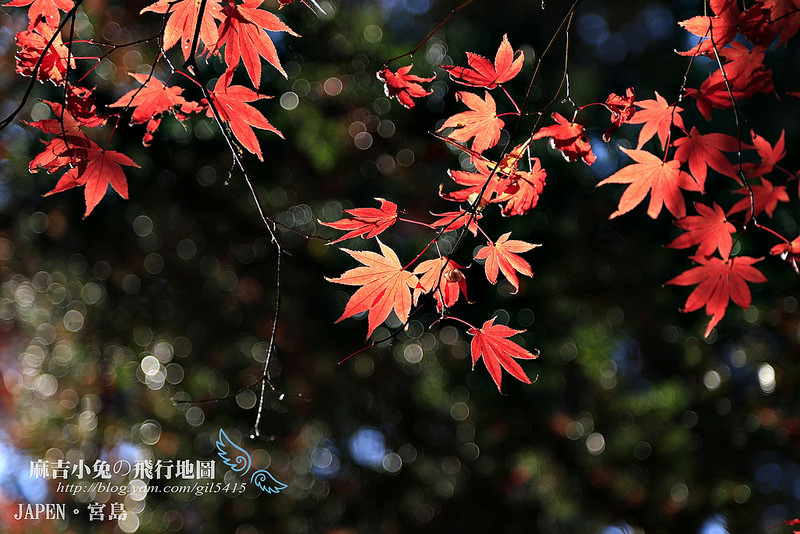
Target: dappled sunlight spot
[[333, 86], [289, 100], [129, 524], [712, 380], [618, 528], [373, 34], [246, 399], [469, 452], [593, 28], [150, 432], [642, 450], [574, 430], [413, 353], [717, 524], [195, 416], [459, 411], [367, 447], [595, 443], [766, 378], [364, 366]]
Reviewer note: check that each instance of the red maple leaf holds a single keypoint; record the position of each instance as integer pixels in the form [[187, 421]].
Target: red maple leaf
[[650, 174], [182, 22], [770, 156], [480, 123], [745, 64], [150, 101], [765, 198], [80, 103], [522, 192], [231, 102], [785, 15], [43, 10], [710, 230], [719, 281], [33, 43], [402, 85], [568, 137], [490, 342], [715, 92], [65, 124], [622, 111], [365, 222], [244, 35], [499, 182], [716, 31], [474, 183], [453, 220], [95, 169], [703, 151], [503, 255], [789, 252], [57, 155], [444, 278], [657, 116], [385, 286], [482, 73]]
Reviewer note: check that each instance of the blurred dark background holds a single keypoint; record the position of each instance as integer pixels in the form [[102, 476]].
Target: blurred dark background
[[635, 424]]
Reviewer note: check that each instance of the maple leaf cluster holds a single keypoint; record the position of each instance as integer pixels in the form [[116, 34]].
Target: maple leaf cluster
[[738, 41], [237, 32], [675, 169], [514, 181]]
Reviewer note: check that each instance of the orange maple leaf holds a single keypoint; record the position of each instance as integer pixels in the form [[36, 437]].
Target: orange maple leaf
[[385, 286], [710, 230], [622, 111], [657, 116], [33, 43], [95, 169], [403, 86], [490, 342], [482, 73], [480, 123], [182, 22], [474, 183], [789, 252], [716, 31], [244, 35], [719, 281], [744, 64], [650, 174], [453, 220], [366, 222], [503, 255], [769, 155], [765, 198], [150, 101], [444, 278], [785, 16], [43, 10], [568, 137], [231, 102], [703, 151], [522, 194]]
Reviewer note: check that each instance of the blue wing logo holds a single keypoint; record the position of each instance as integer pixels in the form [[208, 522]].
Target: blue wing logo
[[238, 459], [266, 482], [232, 455]]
